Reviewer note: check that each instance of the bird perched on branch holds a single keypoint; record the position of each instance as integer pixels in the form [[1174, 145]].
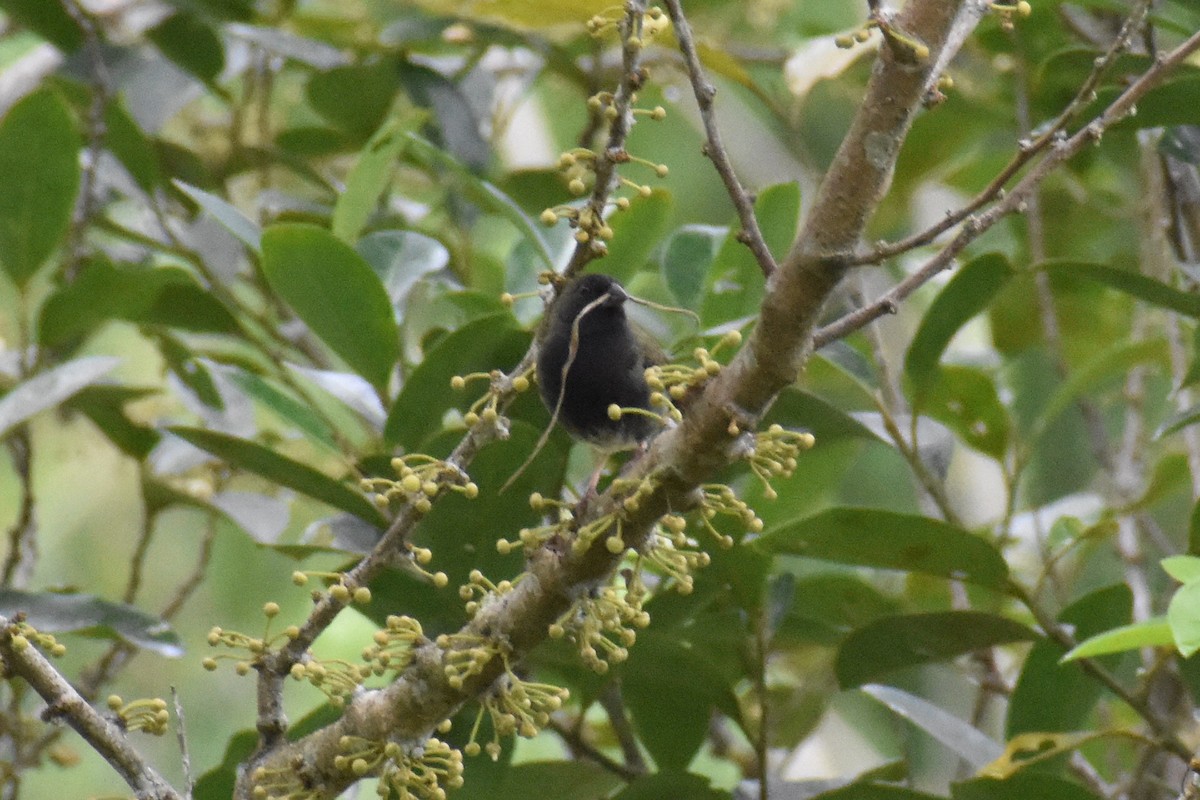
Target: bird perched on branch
[[592, 359]]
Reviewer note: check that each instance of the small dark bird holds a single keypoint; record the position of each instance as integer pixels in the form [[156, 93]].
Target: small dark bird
[[606, 366]]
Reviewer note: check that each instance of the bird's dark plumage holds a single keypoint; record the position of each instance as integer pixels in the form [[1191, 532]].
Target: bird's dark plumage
[[608, 367]]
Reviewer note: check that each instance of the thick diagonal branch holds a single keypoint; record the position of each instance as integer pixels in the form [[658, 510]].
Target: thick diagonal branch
[[681, 459]]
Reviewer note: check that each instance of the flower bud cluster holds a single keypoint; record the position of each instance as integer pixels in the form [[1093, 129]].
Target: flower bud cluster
[[253, 647], [773, 453], [479, 588], [465, 654], [1006, 11], [393, 645], [341, 588], [148, 714], [486, 408], [515, 707], [420, 773], [23, 634], [649, 25], [419, 480], [281, 783], [673, 554], [671, 383], [905, 47], [717, 498], [335, 678], [604, 624]]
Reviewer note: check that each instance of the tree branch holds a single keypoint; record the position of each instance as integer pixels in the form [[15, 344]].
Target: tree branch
[[750, 235], [23, 660], [677, 462]]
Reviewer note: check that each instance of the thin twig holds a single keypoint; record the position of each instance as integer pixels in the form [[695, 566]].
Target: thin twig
[[581, 748], [185, 757], [96, 130], [613, 703], [704, 91], [21, 658], [1014, 201], [1028, 149]]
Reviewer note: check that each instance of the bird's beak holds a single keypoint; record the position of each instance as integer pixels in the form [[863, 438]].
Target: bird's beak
[[616, 295]]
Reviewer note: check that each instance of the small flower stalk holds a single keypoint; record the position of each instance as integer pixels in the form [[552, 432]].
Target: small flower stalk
[[147, 714], [515, 707], [392, 646], [604, 625], [419, 480]]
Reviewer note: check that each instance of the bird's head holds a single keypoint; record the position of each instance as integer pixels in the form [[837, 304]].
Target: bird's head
[[586, 291]]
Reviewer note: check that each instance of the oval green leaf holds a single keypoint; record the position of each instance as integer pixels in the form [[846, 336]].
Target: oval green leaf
[[906, 640], [1131, 283], [1183, 614], [263, 461], [871, 537], [90, 616], [959, 736], [337, 294], [39, 178], [1052, 696], [49, 388], [637, 231], [484, 344], [965, 295], [1154, 632]]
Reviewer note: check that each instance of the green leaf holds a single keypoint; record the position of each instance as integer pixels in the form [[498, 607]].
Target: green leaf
[[337, 294], [967, 294], [1051, 696], [1185, 569], [873, 791], [242, 227], [285, 406], [1178, 421], [686, 259], [39, 178], [1024, 785], [50, 387], [88, 615], [400, 259], [491, 342], [49, 20], [672, 784], [487, 196], [671, 689], [190, 370], [734, 287], [104, 291], [1154, 632], [889, 540], [1131, 283], [263, 461], [220, 781], [1183, 614], [960, 737], [637, 231], [553, 780], [132, 147], [355, 98], [190, 42], [824, 608], [906, 640], [371, 174], [104, 406], [1112, 364], [965, 400]]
